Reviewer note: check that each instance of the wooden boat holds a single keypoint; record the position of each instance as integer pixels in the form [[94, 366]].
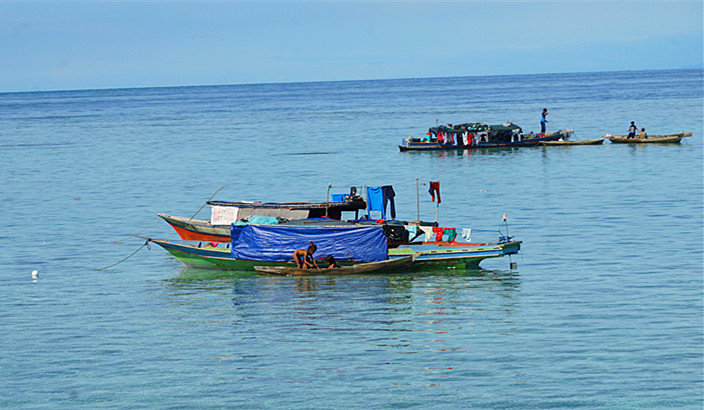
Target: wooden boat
[[389, 265], [454, 254], [223, 213], [478, 135], [596, 141], [274, 246], [428, 254], [190, 229], [230, 250], [658, 139]]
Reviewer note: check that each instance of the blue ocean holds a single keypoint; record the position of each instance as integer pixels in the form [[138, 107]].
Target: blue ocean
[[602, 309]]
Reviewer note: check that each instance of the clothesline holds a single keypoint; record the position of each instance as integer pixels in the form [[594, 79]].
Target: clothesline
[[397, 183]]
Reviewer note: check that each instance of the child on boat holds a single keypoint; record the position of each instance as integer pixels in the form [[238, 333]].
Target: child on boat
[[304, 257], [632, 130], [332, 263]]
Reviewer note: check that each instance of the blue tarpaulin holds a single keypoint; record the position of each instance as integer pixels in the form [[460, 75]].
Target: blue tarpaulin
[[235, 231], [277, 243]]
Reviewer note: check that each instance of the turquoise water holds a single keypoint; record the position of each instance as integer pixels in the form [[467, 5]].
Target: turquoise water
[[603, 310]]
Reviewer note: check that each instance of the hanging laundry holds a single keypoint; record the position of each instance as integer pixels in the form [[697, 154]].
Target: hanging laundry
[[451, 234], [434, 188], [388, 194], [412, 231], [467, 234], [375, 200], [438, 233], [428, 231]]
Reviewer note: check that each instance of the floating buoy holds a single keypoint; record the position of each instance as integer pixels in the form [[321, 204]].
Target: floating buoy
[[35, 274]]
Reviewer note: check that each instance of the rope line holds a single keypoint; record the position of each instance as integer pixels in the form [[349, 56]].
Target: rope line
[[118, 241], [413, 181], [146, 243], [206, 202]]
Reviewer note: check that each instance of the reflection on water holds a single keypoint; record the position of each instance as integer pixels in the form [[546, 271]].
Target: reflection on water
[[406, 302], [197, 274]]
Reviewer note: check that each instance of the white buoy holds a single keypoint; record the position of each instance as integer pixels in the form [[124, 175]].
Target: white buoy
[[35, 274]]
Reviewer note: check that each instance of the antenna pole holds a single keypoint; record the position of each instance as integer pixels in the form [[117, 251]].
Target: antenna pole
[[417, 201]]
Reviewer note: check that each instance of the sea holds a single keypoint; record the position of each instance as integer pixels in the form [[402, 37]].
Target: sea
[[601, 308]]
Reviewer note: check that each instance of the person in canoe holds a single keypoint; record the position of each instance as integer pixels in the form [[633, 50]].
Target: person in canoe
[[642, 135], [332, 263], [543, 121], [304, 257], [632, 130]]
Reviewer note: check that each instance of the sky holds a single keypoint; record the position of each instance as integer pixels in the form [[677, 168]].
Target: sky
[[93, 45]]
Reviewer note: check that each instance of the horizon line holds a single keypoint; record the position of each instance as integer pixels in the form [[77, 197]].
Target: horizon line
[[694, 67]]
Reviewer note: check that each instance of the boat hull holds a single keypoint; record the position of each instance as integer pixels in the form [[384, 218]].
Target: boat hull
[[596, 141], [209, 257], [527, 142], [190, 229], [390, 265], [427, 254], [455, 254], [651, 139]]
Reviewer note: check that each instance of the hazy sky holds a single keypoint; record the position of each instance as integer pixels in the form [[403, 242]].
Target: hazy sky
[[79, 45]]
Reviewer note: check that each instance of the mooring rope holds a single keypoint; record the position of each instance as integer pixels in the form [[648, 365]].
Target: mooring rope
[[118, 241], [206, 202], [146, 243]]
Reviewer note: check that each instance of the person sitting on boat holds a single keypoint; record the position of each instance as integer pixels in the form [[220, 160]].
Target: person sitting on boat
[[632, 130], [543, 121], [642, 135], [304, 257], [332, 263]]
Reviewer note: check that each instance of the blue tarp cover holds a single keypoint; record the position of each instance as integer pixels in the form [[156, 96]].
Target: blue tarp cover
[[235, 231], [277, 243]]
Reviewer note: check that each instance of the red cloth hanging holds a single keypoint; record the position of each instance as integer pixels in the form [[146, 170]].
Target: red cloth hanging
[[438, 233], [434, 188]]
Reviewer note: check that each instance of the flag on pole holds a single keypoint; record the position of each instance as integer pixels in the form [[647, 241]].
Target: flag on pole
[[434, 191]]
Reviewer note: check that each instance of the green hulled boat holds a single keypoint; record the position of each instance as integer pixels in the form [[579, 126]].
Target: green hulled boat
[[429, 254]]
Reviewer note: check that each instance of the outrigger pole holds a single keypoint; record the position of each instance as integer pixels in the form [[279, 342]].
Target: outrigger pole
[[417, 201]]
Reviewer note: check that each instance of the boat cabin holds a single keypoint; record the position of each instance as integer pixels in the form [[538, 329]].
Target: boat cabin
[[472, 134], [225, 212]]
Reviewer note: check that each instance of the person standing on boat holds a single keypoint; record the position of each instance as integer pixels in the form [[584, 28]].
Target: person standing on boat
[[632, 130], [543, 121]]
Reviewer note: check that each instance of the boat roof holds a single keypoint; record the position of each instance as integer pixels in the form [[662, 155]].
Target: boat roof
[[473, 127], [459, 128], [352, 205]]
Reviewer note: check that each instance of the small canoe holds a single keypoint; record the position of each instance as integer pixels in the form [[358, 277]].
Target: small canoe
[[595, 141], [389, 265], [659, 139]]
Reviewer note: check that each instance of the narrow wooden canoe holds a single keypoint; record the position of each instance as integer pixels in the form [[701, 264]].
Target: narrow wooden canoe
[[595, 141], [389, 265], [658, 139]]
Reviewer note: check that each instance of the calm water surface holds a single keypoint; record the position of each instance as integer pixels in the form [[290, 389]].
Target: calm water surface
[[604, 309]]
